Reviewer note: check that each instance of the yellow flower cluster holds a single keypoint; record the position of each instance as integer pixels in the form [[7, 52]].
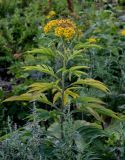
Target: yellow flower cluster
[[92, 40], [122, 32], [62, 28], [59, 31], [51, 14], [50, 25]]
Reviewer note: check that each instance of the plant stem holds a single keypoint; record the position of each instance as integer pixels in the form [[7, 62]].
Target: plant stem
[[63, 90]]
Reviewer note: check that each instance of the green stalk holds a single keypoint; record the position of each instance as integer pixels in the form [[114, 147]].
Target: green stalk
[[63, 90]]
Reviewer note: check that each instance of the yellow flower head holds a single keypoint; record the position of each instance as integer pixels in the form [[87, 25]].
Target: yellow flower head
[[69, 32], [92, 40], [51, 14], [62, 28], [122, 32], [50, 25], [59, 31]]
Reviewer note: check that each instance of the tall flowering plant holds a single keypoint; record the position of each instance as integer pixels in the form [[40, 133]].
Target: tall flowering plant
[[66, 81]]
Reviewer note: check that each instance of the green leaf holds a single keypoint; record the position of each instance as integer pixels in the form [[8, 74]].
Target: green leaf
[[55, 130], [74, 68], [36, 96], [100, 110], [44, 51], [56, 97], [45, 100], [42, 68], [65, 98], [107, 112], [87, 46], [75, 54], [42, 87], [23, 97], [90, 133], [93, 83], [87, 99], [76, 71], [94, 113], [71, 93]]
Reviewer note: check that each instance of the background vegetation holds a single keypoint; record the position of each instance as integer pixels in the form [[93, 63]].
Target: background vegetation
[[74, 107]]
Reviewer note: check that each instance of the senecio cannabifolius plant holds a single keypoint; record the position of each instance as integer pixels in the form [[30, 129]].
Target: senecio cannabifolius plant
[[66, 81]]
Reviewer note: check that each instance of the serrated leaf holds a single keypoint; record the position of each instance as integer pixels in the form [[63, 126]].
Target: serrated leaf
[[41, 68], [75, 54], [87, 99], [91, 132], [65, 98], [43, 86], [87, 46], [100, 109], [94, 113], [40, 87], [71, 93], [107, 112], [93, 83], [78, 73], [44, 51], [45, 100], [78, 67], [56, 97], [23, 97]]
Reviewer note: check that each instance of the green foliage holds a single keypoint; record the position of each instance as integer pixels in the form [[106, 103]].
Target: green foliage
[[63, 91], [48, 144], [20, 26], [37, 91]]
